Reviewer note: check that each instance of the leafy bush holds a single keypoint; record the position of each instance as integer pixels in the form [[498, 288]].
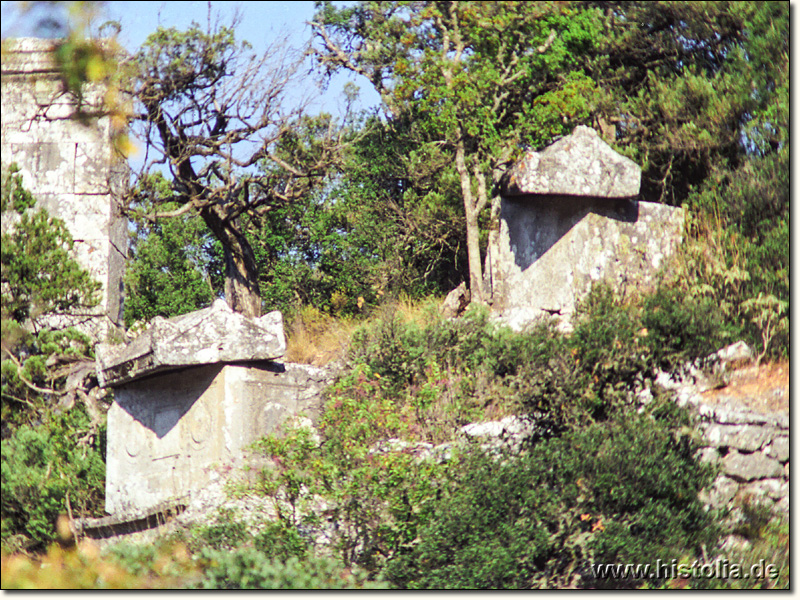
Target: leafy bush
[[618, 491], [680, 329], [738, 251], [225, 533], [247, 568], [122, 566], [45, 473]]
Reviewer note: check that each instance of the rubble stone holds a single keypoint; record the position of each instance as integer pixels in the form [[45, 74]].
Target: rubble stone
[[749, 467]]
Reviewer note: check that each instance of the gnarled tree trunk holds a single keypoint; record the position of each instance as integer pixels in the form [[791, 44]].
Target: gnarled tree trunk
[[242, 292]]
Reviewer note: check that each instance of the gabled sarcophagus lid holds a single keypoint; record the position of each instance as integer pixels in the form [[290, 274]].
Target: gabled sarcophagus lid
[[580, 164], [211, 335]]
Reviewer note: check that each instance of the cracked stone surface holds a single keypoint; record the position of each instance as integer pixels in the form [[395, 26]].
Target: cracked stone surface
[[749, 467], [580, 164], [211, 335]]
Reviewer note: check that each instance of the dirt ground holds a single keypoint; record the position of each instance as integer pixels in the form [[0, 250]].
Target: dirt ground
[[764, 388]]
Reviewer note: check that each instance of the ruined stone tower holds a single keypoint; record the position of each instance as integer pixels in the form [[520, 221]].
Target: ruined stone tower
[[71, 167]]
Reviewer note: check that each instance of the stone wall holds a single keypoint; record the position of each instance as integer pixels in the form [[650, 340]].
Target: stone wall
[[752, 451], [71, 167]]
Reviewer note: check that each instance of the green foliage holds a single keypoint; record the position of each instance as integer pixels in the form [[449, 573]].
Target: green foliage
[[277, 540], [680, 329], [225, 533], [620, 491], [40, 279], [39, 274], [595, 480], [397, 215], [247, 568], [769, 542], [47, 472], [122, 566], [468, 85], [29, 381], [738, 256], [171, 261]]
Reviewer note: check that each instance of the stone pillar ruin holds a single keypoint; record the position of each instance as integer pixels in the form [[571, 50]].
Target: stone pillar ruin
[[70, 166], [569, 217]]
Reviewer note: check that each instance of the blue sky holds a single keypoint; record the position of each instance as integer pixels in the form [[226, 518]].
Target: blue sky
[[261, 23]]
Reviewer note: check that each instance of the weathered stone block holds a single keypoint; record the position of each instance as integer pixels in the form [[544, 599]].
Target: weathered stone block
[[720, 493], [779, 449], [747, 438], [749, 467], [551, 251], [580, 164], [211, 335], [172, 433]]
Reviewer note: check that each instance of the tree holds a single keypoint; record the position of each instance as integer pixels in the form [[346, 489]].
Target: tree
[[170, 262], [40, 280], [215, 118], [480, 80]]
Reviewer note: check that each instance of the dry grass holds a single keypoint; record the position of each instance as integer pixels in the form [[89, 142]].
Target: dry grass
[[317, 339]]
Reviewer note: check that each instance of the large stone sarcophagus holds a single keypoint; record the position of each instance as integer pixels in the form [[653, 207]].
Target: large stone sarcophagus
[[569, 217]]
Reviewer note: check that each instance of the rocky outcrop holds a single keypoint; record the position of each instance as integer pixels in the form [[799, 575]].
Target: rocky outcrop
[[456, 302]]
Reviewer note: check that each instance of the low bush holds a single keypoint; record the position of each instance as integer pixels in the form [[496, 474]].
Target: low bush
[[45, 473], [248, 568], [622, 491]]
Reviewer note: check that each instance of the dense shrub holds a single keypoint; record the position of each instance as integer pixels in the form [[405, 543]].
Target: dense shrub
[[46, 473], [618, 491], [247, 568]]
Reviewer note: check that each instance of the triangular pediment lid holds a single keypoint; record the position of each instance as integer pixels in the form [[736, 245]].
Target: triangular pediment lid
[[580, 164], [211, 335]]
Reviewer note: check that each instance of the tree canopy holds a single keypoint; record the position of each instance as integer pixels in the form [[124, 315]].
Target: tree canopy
[[477, 79], [217, 119]]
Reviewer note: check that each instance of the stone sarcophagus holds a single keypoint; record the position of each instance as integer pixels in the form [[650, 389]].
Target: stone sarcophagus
[[569, 218], [191, 394]]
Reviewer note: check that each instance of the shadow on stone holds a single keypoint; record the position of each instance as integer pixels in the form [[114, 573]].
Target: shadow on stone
[[177, 393], [536, 224]]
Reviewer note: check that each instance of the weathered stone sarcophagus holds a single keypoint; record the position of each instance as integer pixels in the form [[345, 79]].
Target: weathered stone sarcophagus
[[569, 217], [191, 394]]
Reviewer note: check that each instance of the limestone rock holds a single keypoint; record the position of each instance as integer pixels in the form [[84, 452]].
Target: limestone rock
[[455, 302], [739, 351], [779, 449], [745, 438], [580, 164], [211, 335], [749, 467], [720, 493]]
